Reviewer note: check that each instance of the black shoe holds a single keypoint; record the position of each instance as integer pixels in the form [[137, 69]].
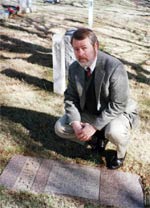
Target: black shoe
[[116, 162]]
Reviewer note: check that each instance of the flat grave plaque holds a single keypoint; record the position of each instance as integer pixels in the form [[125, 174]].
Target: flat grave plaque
[[121, 189], [12, 171], [27, 174], [108, 187], [42, 176], [74, 180]]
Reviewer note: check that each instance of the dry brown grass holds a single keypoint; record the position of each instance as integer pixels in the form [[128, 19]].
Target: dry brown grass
[[29, 106]]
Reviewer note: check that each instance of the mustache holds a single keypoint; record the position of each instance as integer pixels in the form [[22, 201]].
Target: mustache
[[80, 58]]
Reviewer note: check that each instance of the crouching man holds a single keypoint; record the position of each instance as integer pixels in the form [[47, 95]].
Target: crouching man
[[97, 98]]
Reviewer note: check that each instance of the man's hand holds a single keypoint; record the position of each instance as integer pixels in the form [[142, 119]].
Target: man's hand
[[83, 131], [87, 132], [77, 127]]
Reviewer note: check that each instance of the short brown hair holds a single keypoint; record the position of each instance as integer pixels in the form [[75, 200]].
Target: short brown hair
[[82, 33]]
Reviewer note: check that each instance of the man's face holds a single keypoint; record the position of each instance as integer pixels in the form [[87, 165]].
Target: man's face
[[84, 51]]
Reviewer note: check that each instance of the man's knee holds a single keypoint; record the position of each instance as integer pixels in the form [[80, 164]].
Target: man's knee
[[117, 134], [57, 127], [112, 134], [63, 129]]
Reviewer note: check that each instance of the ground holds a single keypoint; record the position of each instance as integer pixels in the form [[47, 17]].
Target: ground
[[29, 108]]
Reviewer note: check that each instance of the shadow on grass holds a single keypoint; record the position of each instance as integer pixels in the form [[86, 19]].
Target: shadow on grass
[[141, 75], [140, 72], [27, 23], [41, 129], [41, 83], [39, 54]]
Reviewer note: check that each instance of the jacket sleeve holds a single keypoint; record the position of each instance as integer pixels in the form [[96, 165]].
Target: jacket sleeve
[[118, 92]]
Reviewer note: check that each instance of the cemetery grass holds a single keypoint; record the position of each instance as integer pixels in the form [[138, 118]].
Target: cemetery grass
[[29, 108]]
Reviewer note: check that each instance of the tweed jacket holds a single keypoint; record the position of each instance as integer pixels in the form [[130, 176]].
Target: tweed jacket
[[111, 90]]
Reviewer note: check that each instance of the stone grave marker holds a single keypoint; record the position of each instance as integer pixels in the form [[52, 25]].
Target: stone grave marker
[[74, 180], [59, 64], [107, 187], [63, 56], [69, 53], [27, 6], [123, 189], [27, 174]]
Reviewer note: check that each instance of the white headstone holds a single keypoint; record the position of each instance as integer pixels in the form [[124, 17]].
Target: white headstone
[[59, 72], [27, 5], [69, 53], [63, 56]]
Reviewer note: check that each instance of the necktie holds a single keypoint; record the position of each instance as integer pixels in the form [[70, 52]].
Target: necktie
[[88, 72]]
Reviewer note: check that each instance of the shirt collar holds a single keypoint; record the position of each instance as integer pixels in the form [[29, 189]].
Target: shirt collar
[[92, 67]]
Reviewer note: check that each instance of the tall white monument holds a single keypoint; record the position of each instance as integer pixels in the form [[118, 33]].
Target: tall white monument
[[59, 73], [63, 56]]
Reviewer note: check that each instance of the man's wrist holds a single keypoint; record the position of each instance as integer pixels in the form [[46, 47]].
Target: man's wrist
[[76, 125], [74, 122]]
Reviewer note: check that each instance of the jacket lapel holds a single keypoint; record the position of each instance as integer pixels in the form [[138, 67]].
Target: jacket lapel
[[80, 83], [99, 76]]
